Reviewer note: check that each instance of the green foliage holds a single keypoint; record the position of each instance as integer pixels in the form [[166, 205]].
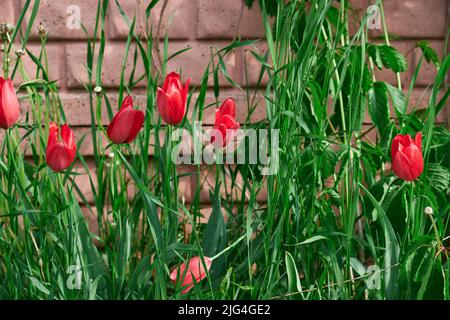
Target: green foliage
[[313, 230]]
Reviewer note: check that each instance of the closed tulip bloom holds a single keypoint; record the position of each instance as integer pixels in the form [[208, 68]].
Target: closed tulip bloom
[[9, 104], [226, 122], [407, 159], [195, 273], [171, 99], [60, 152], [126, 124]]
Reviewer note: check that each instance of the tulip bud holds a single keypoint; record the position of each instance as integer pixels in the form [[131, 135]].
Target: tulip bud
[[60, 153], [9, 104], [171, 99], [195, 273], [225, 122], [406, 153], [126, 124]]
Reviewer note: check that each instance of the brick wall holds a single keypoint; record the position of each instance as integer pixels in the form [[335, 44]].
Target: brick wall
[[200, 24]]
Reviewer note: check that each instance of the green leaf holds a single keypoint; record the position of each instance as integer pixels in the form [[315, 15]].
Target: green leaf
[[124, 250], [429, 53], [294, 283], [39, 286], [150, 7], [392, 249], [398, 99], [378, 106], [313, 239], [374, 53], [215, 237], [392, 59]]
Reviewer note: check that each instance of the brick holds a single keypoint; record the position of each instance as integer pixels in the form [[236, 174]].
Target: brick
[[194, 62], [387, 75], [253, 66], [357, 11], [186, 183], [428, 71], [219, 19], [112, 62], [420, 98], [55, 63], [415, 18], [179, 19], [7, 11], [242, 106], [190, 64], [60, 18], [77, 108]]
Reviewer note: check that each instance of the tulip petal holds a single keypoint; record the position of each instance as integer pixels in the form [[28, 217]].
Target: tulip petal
[[175, 109], [228, 108], [127, 102], [161, 103], [136, 125], [402, 166], [195, 273], [120, 127], [9, 105], [68, 137], [52, 134], [172, 78], [418, 141], [59, 157]]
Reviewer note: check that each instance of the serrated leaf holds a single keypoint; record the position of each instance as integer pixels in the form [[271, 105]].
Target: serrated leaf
[[392, 58], [429, 53], [374, 53]]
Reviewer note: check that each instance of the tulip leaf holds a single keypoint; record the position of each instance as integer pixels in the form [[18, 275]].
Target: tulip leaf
[[392, 249], [294, 283], [215, 237]]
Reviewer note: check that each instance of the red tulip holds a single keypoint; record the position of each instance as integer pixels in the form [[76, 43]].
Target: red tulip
[[195, 273], [60, 152], [9, 104], [226, 121], [171, 99], [406, 153], [126, 124]]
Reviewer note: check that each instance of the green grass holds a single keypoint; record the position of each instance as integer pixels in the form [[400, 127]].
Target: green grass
[[332, 210]]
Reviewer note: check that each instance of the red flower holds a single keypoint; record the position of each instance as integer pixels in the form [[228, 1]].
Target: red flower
[[126, 124], [9, 104], [171, 99], [406, 153], [196, 272], [226, 121], [60, 153]]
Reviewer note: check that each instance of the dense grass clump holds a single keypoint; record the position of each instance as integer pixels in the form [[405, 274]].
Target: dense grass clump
[[337, 222]]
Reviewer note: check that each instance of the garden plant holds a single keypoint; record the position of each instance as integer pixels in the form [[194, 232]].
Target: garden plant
[[349, 211]]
